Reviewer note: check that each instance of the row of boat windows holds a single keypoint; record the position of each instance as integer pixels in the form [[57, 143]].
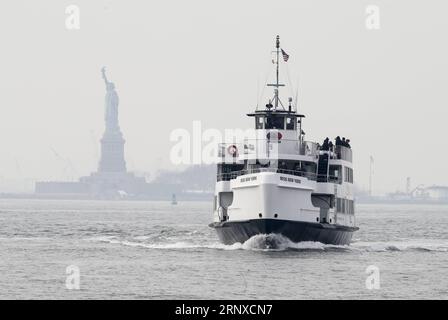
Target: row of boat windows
[[275, 122], [290, 165], [299, 168], [345, 206], [305, 166]]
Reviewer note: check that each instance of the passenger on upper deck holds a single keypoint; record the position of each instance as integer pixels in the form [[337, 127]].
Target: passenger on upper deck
[[344, 142], [338, 141], [325, 145]]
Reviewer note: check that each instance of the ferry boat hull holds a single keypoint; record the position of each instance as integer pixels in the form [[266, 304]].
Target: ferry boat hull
[[231, 232]]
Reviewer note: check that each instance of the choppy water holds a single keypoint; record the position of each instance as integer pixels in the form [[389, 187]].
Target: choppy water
[[154, 250]]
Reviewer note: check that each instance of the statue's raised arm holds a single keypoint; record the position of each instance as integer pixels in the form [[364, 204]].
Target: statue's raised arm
[[103, 72]]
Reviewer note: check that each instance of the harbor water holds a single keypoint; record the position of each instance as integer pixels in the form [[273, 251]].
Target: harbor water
[[156, 250]]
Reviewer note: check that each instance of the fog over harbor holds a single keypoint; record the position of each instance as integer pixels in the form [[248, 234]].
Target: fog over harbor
[[173, 64], [197, 150]]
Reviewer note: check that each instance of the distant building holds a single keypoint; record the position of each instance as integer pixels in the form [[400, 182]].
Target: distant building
[[420, 194], [437, 192]]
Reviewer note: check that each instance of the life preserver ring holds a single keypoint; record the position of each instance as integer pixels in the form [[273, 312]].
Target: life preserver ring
[[232, 150], [275, 135]]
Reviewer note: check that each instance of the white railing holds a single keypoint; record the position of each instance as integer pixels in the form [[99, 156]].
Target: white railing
[[343, 153], [267, 148], [306, 174], [339, 153]]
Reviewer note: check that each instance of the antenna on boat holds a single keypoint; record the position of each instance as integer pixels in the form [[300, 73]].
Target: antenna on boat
[[277, 46], [277, 101], [296, 97]]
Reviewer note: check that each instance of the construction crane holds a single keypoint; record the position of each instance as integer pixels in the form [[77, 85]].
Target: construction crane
[[69, 169]]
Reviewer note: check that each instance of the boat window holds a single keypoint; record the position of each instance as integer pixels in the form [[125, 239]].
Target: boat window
[[258, 165], [348, 175], [310, 168], [275, 122], [290, 123], [335, 174], [259, 121], [229, 171], [351, 207], [345, 206], [299, 168], [229, 167]]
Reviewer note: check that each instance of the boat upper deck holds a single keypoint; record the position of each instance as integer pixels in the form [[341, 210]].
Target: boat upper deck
[[276, 148]]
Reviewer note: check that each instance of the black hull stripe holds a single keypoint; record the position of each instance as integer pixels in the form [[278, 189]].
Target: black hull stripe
[[240, 231]]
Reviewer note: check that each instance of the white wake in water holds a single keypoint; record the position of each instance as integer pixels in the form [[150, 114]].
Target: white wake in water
[[276, 242], [403, 245]]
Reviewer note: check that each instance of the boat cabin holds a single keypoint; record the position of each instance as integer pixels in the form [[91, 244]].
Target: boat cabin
[[277, 120]]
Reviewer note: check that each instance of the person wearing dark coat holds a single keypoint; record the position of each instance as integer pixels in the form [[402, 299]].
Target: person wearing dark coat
[[338, 141], [325, 144]]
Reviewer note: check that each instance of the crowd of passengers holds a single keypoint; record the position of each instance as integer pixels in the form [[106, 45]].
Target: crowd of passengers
[[328, 145]]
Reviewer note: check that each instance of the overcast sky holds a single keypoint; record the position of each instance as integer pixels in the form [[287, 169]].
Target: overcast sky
[[174, 62]]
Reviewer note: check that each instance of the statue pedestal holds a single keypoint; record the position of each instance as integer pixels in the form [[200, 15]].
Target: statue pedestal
[[112, 152]]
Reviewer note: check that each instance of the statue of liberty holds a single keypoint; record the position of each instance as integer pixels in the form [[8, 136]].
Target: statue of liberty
[[111, 104]]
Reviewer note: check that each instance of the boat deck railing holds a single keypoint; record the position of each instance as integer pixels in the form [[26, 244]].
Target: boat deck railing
[[309, 175], [343, 153], [267, 148], [338, 153]]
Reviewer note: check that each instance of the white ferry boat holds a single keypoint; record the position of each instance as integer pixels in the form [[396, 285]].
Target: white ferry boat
[[278, 183]]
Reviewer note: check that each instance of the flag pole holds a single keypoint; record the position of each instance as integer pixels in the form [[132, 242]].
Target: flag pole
[[277, 83]]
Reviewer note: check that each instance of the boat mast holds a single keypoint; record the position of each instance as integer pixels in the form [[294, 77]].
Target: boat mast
[[277, 44], [277, 83]]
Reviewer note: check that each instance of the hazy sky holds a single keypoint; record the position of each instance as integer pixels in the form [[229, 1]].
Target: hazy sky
[[174, 62]]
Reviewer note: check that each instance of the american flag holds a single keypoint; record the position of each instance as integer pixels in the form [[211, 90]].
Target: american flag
[[285, 56]]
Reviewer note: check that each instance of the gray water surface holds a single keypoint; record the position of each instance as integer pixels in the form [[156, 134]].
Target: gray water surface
[[155, 250]]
